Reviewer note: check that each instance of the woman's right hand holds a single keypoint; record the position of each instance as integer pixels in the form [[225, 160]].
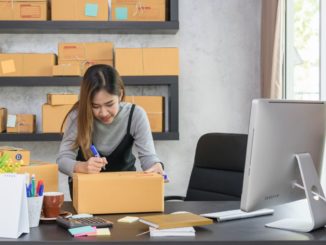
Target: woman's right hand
[[92, 166]]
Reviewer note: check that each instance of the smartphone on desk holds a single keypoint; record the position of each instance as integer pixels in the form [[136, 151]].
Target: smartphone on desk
[[68, 223]]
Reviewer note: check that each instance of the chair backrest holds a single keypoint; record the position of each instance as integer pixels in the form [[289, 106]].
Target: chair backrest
[[218, 168]]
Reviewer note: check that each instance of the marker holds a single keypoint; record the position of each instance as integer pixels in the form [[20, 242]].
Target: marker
[[95, 153], [33, 186], [166, 179]]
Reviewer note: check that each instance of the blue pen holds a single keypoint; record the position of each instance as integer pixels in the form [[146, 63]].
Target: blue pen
[[95, 153]]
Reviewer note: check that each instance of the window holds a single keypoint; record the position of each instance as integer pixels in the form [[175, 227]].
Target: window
[[303, 76]]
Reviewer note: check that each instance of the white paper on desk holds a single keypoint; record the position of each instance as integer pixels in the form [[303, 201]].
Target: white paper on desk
[[13, 206], [237, 214], [182, 231]]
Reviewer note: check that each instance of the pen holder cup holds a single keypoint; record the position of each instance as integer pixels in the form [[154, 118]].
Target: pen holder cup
[[34, 210]]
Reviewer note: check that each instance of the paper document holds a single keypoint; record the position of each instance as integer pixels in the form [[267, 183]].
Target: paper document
[[237, 214], [183, 231]]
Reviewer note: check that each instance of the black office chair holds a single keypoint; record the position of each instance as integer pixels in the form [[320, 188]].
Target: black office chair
[[217, 173]]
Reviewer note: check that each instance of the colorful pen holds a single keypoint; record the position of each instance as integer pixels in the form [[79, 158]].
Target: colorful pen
[[95, 153], [33, 186]]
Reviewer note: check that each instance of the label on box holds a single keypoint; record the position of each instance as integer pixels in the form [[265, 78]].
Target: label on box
[[91, 9], [11, 121], [8, 66], [30, 11], [121, 13]]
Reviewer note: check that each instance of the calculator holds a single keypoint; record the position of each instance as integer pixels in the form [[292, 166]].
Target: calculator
[[78, 222]]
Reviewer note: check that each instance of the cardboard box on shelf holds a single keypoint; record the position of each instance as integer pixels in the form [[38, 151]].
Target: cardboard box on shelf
[[138, 10], [3, 119], [24, 10], [27, 65], [16, 154], [21, 123], [147, 61], [161, 61], [129, 192], [47, 172], [154, 107], [129, 61], [84, 10], [62, 99], [53, 117], [66, 70], [86, 54]]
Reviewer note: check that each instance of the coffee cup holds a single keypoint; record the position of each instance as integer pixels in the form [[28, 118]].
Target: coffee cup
[[52, 202]]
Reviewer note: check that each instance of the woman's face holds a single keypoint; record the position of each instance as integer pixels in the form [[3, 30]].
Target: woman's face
[[105, 106]]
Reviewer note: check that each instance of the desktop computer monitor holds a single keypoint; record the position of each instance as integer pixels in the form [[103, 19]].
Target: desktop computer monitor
[[281, 131]]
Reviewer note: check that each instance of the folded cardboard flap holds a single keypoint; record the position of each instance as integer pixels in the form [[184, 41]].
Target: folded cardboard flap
[[118, 192]]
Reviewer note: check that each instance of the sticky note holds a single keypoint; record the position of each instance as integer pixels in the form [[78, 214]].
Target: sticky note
[[91, 9], [121, 13], [101, 232], [79, 231], [8, 66], [128, 219], [11, 121]]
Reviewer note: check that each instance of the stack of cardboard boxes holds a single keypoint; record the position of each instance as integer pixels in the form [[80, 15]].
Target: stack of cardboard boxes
[[75, 58], [55, 111], [83, 10], [48, 172]]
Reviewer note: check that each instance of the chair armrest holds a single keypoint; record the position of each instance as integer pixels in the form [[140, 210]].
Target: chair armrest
[[174, 198]]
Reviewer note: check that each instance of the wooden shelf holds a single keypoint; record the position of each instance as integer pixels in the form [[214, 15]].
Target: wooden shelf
[[82, 27], [75, 81], [170, 81], [58, 136]]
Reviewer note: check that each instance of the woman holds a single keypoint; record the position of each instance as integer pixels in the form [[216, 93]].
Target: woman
[[100, 118]]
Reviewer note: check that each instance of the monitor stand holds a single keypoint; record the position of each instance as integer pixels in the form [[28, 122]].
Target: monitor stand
[[315, 197]]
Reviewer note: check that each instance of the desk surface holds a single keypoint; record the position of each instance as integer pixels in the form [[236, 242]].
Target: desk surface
[[246, 231]]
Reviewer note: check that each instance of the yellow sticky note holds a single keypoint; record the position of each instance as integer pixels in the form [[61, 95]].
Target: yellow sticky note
[[8, 66], [128, 219], [100, 232]]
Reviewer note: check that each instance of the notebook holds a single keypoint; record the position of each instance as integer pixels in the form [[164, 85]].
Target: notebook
[[166, 221]]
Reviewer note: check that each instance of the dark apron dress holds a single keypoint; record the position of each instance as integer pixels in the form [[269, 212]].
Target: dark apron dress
[[121, 159]]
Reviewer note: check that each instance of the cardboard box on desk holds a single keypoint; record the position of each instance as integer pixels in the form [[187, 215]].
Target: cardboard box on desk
[[20, 64], [154, 107], [16, 154], [62, 99], [135, 10], [85, 10], [3, 119], [86, 54], [24, 10], [118, 192], [21, 123], [53, 117], [48, 172], [147, 61]]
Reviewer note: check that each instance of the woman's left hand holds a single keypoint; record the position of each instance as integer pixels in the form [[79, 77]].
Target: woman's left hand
[[156, 168]]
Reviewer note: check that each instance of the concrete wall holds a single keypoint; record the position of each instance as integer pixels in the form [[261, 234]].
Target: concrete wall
[[219, 42]]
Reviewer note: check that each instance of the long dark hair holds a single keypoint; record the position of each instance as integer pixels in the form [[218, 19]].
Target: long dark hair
[[96, 78]]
